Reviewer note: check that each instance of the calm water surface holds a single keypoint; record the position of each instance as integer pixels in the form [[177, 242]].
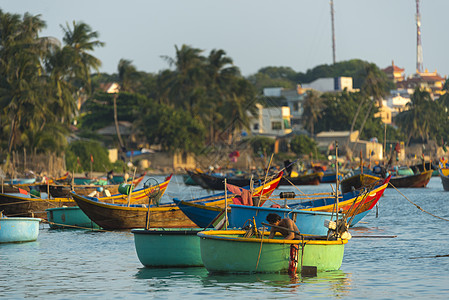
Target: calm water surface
[[73, 264]]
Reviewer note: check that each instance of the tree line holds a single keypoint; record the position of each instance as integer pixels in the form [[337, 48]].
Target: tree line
[[199, 102]]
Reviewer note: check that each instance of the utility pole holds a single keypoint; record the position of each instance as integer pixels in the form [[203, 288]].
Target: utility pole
[[333, 31], [419, 58]]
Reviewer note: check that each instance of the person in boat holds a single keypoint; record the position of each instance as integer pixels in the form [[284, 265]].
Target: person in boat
[[380, 171], [285, 226]]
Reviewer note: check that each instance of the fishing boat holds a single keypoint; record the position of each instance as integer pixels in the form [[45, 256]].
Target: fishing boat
[[113, 216], [19, 181], [69, 217], [307, 178], [168, 247], [444, 175], [196, 177], [203, 211], [63, 190], [357, 181], [20, 205], [331, 177], [229, 251], [216, 181], [16, 229], [418, 180], [308, 222]]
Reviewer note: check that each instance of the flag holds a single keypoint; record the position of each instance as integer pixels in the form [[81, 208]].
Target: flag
[[397, 148], [91, 158], [78, 160], [220, 220]]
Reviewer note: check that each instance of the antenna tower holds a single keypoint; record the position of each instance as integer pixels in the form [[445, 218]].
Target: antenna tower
[[419, 59], [333, 31]]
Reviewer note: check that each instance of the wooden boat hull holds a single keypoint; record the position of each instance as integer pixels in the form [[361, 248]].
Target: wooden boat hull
[[303, 179], [14, 205], [16, 230], [229, 252], [69, 217], [168, 247], [197, 178], [61, 191], [444, 179], [115, 216], [202, 212], [357, 181], [308, 222], [412, 181]]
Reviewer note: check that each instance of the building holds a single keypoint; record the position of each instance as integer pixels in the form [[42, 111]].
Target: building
[[394, 73], [349, 143], [271, 121], [397, 101], [430, 81], [330, 84], [385, 113]]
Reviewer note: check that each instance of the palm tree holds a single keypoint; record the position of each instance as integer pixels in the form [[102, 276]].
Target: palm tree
[[127, 74], [186, 82], [20, 70], [418, 119], [80, 41], [313, 107]]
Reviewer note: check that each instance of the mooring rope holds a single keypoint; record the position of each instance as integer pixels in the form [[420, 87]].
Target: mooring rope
[[417, 206], [73, 226]]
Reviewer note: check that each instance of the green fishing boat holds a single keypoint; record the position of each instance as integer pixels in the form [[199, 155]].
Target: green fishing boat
[[69, 217], [168, 247], [228, 251]]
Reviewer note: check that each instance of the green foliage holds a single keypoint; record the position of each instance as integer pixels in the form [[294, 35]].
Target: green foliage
[[303, 145], [84, 150], [262, 145], [425, 119], [273, 77], [172, 129], [98, 111]]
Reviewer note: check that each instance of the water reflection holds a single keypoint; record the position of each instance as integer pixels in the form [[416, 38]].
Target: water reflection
[[151, 273], [333, 283]]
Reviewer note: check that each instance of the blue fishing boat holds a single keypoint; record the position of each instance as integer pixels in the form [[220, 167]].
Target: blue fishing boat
[[69, 217], [308, 222], [16, 230], [168, 247], [203, 211]]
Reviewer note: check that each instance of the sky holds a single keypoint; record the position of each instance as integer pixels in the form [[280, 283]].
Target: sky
[[254, 33]]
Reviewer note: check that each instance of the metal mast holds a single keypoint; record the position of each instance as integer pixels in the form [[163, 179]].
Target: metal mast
[[419, 59], [333, 30]]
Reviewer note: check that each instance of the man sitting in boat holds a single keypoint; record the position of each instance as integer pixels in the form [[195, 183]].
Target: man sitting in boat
[[285, 226]]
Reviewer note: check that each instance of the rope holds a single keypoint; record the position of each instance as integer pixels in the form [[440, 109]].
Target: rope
[[73, 226], [260, 249], [417, 206]]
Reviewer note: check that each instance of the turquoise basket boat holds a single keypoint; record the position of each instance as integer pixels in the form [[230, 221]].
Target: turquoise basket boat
[[228, 251], [69, 217], [168, 247], [16, 230]]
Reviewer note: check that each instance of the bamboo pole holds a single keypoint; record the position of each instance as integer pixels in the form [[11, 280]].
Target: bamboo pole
[[131, 188], [265, 180], [226, 205]]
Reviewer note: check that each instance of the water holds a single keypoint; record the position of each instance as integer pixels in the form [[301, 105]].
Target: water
[[73, 264]]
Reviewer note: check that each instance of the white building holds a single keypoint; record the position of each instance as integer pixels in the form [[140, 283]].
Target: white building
[[330, 84], [271, 121]]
